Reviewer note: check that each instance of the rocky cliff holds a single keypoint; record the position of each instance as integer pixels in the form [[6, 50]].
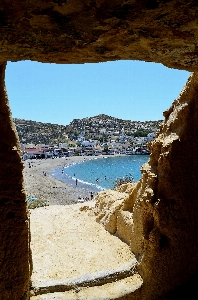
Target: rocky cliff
[[159, 216]]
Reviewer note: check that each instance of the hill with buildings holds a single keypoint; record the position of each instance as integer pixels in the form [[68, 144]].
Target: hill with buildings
[[102, 128]]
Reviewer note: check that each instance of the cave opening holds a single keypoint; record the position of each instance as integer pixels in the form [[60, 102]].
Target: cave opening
[[38, 106]]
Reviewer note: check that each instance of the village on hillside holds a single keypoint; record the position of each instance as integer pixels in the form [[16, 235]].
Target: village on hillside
[[97, 135]]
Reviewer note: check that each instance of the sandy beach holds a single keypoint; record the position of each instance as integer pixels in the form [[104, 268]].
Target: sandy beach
[[67, 243], [46, 188]]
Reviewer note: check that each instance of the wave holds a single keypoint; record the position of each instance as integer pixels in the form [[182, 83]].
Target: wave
[[88, 184]]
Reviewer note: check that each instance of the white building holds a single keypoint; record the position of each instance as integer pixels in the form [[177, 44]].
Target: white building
[[87, 144], [150, 137]]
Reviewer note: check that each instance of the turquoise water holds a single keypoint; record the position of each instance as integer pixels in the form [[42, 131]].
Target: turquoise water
[[100, 173]]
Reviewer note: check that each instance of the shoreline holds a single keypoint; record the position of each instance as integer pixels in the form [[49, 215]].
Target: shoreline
[[60, 174], [49, 189]]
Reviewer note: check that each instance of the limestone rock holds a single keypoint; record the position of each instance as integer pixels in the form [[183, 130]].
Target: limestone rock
[[126, 188], [160, 217], [113, 209], [124, 225], [79, 31], [106, 208], [165, 214]]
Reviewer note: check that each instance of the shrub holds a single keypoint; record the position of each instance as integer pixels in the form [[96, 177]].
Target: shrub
[[127, 179], [31, 204]]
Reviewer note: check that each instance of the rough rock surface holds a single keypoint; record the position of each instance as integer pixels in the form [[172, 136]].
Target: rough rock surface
[[160, 215], [79, 31], [107, 206], [14, 225]]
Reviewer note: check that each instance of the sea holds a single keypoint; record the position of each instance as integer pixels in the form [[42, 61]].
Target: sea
[[99, 174]]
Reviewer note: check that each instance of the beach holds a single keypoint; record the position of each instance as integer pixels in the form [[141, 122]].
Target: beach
[[67, 244], [40, 184]]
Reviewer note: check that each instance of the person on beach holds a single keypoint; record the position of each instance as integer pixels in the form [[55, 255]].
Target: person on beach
[[91, 195], [76, 181]]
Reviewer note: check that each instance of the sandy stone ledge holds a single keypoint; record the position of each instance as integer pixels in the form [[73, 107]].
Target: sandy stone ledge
[[67, 242]]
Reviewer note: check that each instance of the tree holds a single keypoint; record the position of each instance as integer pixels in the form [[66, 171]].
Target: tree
[[106, 148], [141, 133]]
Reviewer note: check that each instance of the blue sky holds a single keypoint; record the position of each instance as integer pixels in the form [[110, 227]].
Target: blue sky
[[129, 90]]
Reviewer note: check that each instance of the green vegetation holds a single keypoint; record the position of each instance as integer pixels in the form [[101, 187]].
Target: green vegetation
[[126, 179], [106, 148], [31, 204], [141, 133], [31, 132]]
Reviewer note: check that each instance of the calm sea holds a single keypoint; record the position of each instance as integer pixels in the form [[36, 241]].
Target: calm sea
[[100, 173]]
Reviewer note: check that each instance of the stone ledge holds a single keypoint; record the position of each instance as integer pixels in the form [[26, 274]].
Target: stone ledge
[[122, 289], [87, 280]]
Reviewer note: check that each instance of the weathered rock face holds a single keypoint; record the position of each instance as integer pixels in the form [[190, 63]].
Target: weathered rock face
[[79, 31], [160, 214], [108, 204], [14, 226], [165, 212]]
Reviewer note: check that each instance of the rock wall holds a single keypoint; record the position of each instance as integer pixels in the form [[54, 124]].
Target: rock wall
[[160, 214], [165, 213], [79, 31], [14, 227]]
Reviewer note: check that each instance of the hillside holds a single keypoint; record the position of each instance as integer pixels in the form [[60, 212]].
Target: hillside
[[91, 128], [32, 132]]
